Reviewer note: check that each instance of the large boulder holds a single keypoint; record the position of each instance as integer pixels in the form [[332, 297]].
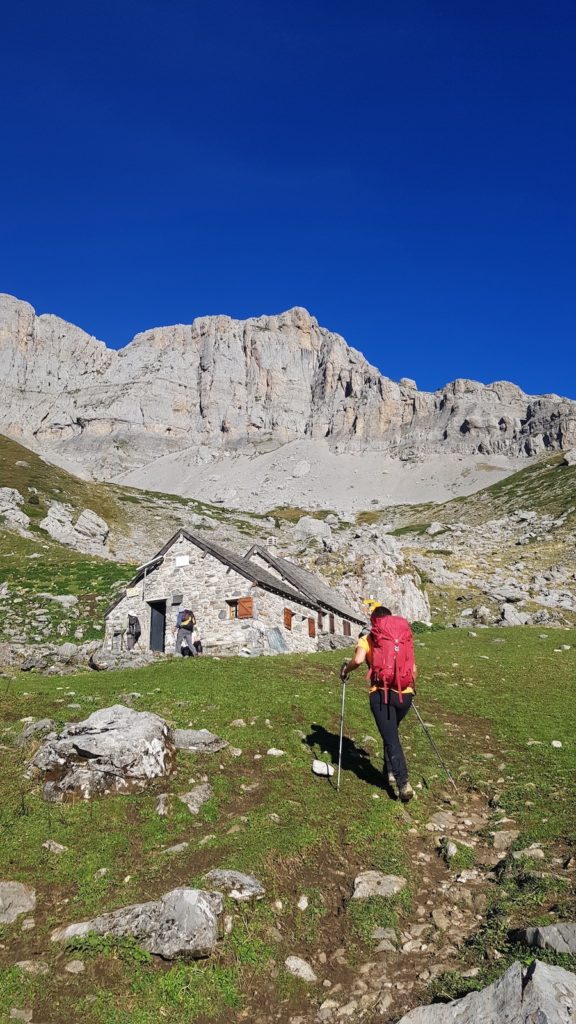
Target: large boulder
[[539, 994], [182, 923], [115, 750], [561, 937]]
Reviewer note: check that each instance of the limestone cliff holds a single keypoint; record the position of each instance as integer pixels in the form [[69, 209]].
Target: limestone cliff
[[220, 384]]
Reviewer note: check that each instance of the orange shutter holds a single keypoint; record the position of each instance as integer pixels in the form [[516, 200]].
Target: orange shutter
[[288, 615], [245, 608], [311, 627]]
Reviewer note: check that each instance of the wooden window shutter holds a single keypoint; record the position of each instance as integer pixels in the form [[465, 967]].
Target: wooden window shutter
[[288, 616], [346, 628], [332, 623], [245, 608], [311, 627]]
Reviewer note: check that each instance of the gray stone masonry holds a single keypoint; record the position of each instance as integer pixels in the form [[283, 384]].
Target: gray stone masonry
[[207, 586]]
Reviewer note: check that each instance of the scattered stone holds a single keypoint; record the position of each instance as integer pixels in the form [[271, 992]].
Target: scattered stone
[[75, 967], [503, 840], [239, 887], [115, 750], [300, 968], [66, 600], [539, 993], [322, 768], [198, 796], [557, 744], [275, 752], [303, 903], [238, 723], [33, 966], [441, 919], [100, 873], [197, 741], [53, 847], [28, 924], [183, 922], [374, 883], [177, 848], [15, 899], [24, 1015], [534, 852], [163, 804]]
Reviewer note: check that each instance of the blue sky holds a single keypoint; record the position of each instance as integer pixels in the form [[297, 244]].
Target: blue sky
[[405, 170]]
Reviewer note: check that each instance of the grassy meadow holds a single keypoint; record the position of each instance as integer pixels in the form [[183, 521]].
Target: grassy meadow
[[494, 703]]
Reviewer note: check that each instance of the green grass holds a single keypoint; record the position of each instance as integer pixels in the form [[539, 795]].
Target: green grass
[[479, 697]]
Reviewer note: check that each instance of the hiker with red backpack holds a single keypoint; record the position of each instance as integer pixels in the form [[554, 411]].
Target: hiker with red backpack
[[388, 650]]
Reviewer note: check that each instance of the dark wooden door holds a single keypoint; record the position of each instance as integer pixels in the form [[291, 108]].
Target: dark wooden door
[[157, 625]]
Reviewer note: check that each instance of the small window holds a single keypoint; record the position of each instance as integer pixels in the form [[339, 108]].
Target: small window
[[332, 623], [240, 608], [346, 628], [321, 621], [288, 616], [311, 627]]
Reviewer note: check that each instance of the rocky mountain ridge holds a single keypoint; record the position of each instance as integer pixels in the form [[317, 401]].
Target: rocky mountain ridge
[[219, 387]]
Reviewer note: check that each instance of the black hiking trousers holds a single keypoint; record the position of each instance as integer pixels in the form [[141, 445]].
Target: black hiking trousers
[[388, 718]]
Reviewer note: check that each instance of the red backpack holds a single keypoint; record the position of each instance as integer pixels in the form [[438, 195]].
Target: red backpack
[[392, 656]]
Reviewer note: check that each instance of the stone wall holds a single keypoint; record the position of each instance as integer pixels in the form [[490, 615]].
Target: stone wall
[[206, 585]]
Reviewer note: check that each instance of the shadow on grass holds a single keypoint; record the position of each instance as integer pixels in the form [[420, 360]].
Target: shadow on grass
[[354, 759]]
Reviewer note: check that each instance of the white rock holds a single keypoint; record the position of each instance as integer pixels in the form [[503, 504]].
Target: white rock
[[183, 922], [53, 847], [275, 752], [557, 744], [375, 883], [303, 903], [300, 968], [15, 899], [322, 768]]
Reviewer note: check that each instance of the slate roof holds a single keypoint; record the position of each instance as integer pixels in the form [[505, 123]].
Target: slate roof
[[241, 564], [307, 583]]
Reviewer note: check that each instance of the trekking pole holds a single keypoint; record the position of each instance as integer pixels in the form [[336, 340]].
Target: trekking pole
[[433, 745], [343, 678]]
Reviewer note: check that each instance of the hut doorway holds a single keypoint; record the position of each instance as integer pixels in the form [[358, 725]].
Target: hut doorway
[[157, 625]]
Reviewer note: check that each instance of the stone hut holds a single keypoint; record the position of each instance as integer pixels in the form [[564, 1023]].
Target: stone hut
[[254, 604]]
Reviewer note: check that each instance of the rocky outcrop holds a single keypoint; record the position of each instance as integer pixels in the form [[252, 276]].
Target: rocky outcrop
[[88, 534], [522, 995], [11, 514], [561, 937], [223, 384], [115, 750], [182, 923]]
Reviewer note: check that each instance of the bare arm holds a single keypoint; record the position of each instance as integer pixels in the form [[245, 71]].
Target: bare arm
[[358, 659]]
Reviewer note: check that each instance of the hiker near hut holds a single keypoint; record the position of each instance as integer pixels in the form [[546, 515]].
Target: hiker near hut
[[132, 631], [388, 650], [184, 630]]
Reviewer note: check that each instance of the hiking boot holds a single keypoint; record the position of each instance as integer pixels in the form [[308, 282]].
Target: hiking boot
[[391, 779], [406, 792]]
